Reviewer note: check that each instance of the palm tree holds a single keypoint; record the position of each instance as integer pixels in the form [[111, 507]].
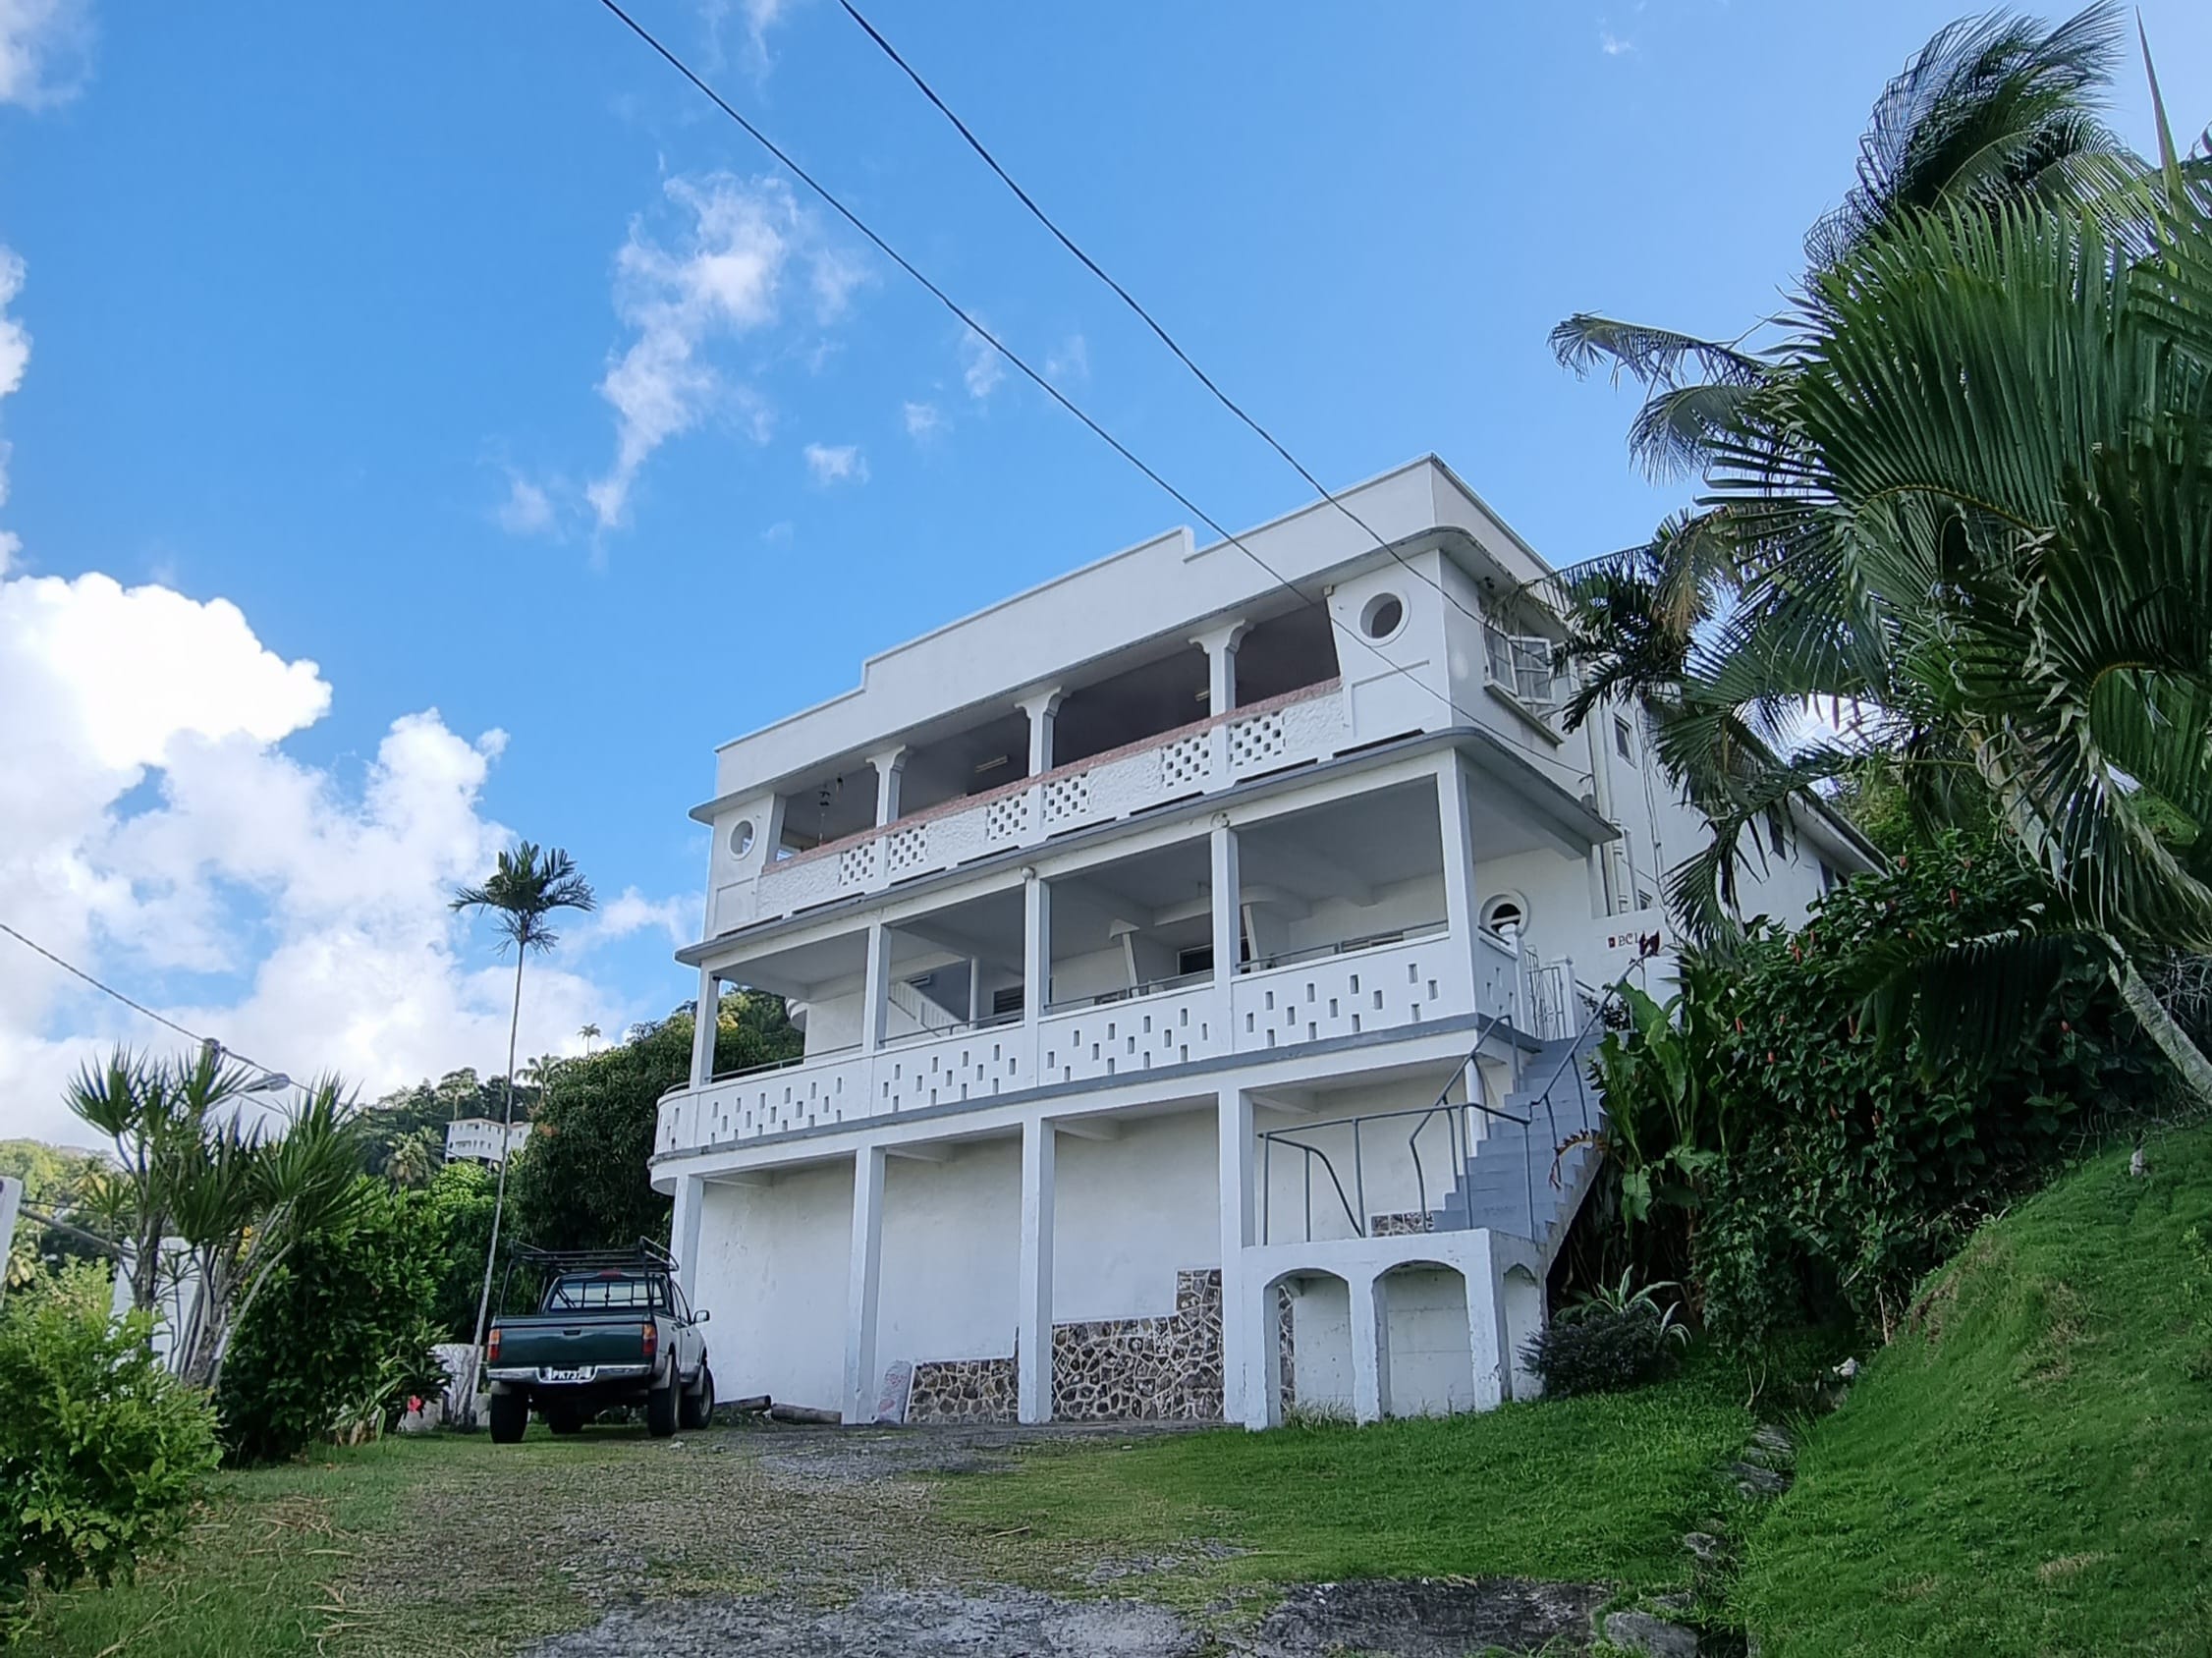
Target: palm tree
[[1992, 110], [591, 1034], [416, 1157], [525, 888]]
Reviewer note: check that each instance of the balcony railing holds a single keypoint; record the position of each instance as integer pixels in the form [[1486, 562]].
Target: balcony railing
[[1362, 986], [1297, 727]]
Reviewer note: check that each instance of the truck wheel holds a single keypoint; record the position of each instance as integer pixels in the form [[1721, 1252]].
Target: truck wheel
[[698, 1404], [510, 1416], [660, 1405]]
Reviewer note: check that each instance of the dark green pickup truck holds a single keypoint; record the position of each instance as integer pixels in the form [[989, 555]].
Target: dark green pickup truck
[[611, 1328]]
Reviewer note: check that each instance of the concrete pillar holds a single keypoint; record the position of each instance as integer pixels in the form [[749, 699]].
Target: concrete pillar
[[1263, 1353], [1036, 944], [1489, 1348], [890, 768], [1459, 850], [702, 1028], [683, 1231], [863, 1286], [1033, 1328], [879, 987], [1370, 1359], [1228, 918], [11, 1205], [1220, 645], [1233, 1163], [1042, 708]]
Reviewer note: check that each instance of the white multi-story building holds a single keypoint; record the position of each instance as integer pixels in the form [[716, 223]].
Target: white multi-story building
[[1193, 955]]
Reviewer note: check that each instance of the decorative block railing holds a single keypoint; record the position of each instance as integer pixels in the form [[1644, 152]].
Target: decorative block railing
[[1397, 985], [1307, 724]]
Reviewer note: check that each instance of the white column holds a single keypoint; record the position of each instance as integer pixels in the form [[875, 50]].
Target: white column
[[861, 1290], [1036, 944], [1241, 1356], [1228, 918], [1033, 1327], [11, 1205], [890, 768], [684, 1231], [1042, 708], [877, 987], [974, 988], [702, 1028], [1263, 1373], [1220, 645], [1489, 1347], [1459, 851], [1370, 1364]]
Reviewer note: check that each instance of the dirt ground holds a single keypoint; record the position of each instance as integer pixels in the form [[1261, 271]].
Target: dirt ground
[[792, 1543]]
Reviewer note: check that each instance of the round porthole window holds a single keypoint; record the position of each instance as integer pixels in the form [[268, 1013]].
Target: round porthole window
[[1383, 615], [740, 837], [1504, 911]]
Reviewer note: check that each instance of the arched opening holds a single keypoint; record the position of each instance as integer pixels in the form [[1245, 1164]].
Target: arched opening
[[1422, 1316], [1309, 1357], [1524, 1299]]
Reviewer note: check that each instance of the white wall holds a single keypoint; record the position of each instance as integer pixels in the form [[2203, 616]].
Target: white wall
[[1408, 904], [1321, 1345], [1133, 1212], [773, 1264], [1391, 1186], [1424, 1313], [952, 1235]]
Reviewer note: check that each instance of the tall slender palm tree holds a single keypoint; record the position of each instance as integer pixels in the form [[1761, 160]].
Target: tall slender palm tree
[[527, 886]]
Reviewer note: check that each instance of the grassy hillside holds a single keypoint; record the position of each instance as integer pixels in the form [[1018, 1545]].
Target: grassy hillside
[[2029, 1469]]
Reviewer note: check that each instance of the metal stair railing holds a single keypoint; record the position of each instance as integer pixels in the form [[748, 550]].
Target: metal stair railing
[[1450, 1110]]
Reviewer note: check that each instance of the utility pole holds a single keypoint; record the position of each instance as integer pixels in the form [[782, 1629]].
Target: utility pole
[[11, 1204]]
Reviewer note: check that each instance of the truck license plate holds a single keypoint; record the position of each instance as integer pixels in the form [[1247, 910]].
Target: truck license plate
[[579, 1375]]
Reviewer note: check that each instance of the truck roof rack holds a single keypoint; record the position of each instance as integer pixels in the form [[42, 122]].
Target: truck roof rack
[[642, 1254]]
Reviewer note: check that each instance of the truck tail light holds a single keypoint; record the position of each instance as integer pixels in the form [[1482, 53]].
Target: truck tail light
[[491, 1346], [649, 1334]]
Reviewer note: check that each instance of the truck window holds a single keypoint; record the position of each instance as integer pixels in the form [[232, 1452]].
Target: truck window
[[597, 1292]]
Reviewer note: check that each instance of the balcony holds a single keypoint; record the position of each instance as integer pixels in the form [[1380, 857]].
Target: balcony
[[1398, 984], [1288, 730]]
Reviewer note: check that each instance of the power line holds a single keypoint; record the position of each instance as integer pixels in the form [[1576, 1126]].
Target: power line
[[136, 1007], [1146, 317], [1044, 385]]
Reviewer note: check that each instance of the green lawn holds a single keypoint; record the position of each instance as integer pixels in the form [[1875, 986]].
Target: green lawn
[[2029, 1471], [1591, 1489]]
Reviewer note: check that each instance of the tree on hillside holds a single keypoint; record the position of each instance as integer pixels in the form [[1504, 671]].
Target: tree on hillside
[[584, 1180], [60, 1187], [525, 889], [432, 1106]]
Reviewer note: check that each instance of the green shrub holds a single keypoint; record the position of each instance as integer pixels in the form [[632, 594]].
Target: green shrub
[[1611, 1340], [1798, 1165], [342, 1332], [101, 1449]]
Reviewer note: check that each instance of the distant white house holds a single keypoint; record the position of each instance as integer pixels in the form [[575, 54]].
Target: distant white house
[[482, 1141], [1194, 977]]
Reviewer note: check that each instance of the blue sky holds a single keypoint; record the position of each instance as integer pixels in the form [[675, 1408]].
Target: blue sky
[[344, 315]]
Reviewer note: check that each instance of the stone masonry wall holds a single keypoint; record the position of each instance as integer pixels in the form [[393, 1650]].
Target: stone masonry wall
[[1144, 1369], [962, 1390]]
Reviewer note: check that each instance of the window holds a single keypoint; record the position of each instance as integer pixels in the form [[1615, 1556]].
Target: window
[[740, 837], [1383, 615], [582, 1293], [1503, 912], [1623, 740], [1199, 959], [1521, 664], [1646, 899], [1007, 1001]]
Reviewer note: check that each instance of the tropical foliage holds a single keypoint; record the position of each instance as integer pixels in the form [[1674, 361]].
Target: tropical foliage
[[100, 1448], [1794, 1160], [585, 1179], [402, 1118], [1617, 1338], [61, 1192], [213, 1187], [346, 1324], [527, 887], [1961, 501]]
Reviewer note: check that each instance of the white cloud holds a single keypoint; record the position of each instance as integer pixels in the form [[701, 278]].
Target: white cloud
[[721, 275], [922, 420], [528, 509], [981, 366], [45, 50], [14, 357], [1071, 361], [633, 912], [760, 15], [1612, 44], [837, 464]]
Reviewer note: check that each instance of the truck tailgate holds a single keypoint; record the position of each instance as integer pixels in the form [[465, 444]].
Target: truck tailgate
[[571, 1341]]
